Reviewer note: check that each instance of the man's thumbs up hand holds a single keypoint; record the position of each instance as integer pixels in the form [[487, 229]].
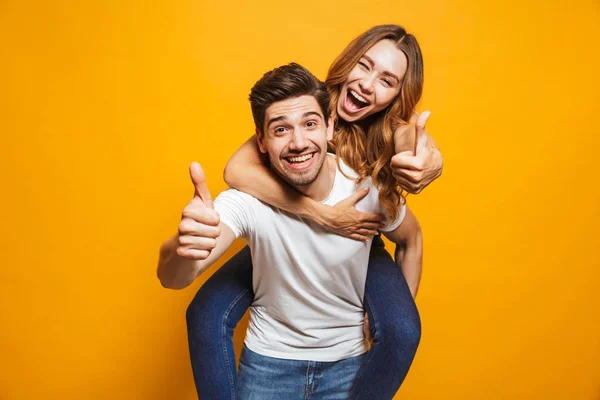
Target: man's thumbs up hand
[[200, 187], [199, 226]]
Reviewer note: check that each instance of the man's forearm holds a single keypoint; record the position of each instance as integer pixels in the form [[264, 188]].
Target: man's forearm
[[174, 271]]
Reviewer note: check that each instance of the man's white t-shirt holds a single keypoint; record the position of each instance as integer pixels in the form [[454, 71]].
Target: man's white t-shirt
[[308, 283]]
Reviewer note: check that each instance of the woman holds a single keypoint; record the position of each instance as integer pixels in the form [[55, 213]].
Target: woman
[[375, 85]]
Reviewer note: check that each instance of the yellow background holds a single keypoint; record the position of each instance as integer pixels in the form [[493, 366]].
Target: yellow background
[[103, 105]]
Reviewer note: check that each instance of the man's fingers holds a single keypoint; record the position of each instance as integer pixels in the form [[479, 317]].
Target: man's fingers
[[193, 253], [200, 187], [197, 242], [188, 226], [201, 214]]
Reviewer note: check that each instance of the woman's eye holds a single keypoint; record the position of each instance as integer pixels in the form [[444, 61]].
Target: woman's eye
[[387, 82], [363, 64]]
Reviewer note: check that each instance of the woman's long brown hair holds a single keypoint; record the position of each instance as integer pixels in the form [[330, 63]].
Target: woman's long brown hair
[[369, 153]]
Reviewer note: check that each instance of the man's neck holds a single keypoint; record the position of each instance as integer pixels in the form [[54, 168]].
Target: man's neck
[[320, 188]]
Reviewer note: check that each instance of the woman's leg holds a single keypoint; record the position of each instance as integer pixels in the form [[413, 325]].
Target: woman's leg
[[211, 318], [395, 328]]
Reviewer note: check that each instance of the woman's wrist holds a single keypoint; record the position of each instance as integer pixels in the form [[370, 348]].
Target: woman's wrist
[[315, 211]]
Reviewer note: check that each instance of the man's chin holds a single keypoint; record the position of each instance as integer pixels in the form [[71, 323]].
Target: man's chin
[[296, 179]]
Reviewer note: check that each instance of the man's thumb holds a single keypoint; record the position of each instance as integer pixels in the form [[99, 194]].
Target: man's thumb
[[200, 187]]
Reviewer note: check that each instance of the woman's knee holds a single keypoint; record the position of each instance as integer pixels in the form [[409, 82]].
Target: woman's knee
[[204, 314], [401, 333], [224, 297]]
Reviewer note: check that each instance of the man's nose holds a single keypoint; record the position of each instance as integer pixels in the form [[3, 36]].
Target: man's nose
[[298, 141]]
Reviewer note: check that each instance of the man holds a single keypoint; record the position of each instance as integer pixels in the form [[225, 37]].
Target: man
[[306, 321]]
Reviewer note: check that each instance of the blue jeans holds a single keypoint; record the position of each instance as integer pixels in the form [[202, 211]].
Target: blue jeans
[[224, 298], [268, 378]]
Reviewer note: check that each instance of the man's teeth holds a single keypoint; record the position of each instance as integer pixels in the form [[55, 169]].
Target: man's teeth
[[301, 158], [358, 97]]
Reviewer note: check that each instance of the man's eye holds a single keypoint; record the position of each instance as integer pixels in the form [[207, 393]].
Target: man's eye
[[311, 124], [279, 130]]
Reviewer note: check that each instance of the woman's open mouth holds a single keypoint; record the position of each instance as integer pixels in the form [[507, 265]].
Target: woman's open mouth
[[354, 102]]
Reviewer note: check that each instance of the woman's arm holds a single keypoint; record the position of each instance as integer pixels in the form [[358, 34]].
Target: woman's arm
[[247, 172], [409, 249]]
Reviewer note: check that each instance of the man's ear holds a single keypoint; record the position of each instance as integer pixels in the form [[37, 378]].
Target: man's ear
[[330, 128], [260, 140]]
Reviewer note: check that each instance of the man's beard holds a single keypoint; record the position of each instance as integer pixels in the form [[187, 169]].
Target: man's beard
[[300, 178]]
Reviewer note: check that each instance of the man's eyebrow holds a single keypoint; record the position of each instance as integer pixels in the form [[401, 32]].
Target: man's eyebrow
[[386, 73], [276, 119], [309, 113], [284, 118]]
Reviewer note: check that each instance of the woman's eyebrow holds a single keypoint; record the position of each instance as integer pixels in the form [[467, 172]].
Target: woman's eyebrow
[[387, 73]]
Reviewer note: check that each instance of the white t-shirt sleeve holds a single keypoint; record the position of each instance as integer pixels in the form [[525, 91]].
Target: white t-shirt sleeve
[[390, 226], [371, 203], [238, 211]]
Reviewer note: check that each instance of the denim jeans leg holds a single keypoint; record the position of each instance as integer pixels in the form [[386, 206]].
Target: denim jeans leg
[[335, 379], [395, 328], [268, 378], [211, 318]]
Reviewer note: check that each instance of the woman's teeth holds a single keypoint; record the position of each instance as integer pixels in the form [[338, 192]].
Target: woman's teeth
[[300, 158], [354, 102], [358, 97]]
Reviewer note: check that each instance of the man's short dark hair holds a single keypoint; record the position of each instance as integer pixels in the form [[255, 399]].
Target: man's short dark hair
[[286, 82]]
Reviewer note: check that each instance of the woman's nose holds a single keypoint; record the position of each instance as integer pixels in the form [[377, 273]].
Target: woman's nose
[[366, 84]]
